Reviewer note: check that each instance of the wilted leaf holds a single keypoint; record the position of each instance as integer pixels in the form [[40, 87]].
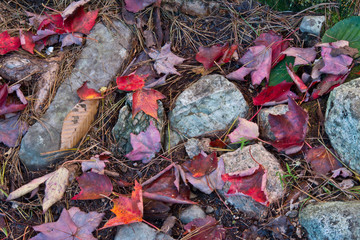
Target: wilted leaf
[[137, 5], [73, 224], [303, 56], [257, 61], [70, 39], [273, 95], [145, 144], [279, 226], [289, 129], [7, 43], [167, 187], [327, 85], [96, 163], [343, 172], [26, 41], [201, 164], [165, 60], [69, 10], [8, 104], [77, 123], [338, 65], [10, 130], [127, 210], [297, 80], [245, 129], [93, 186], [146, 100], [250, 182], [131, 82], [55, 187], [277, 44], [321, 161], [204, 228], [80, 21], [209, 182], [54, 23], [217, 53], [86, 93], [35, 19]]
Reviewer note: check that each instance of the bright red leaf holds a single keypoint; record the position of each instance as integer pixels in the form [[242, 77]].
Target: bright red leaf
[[303, 56], [145, 145], [93, 186], [73, 224], [201, 164], [146, 100], [250, 182], [217, 53], [273, 95], [10, 130], [9, 104], [245, 129], [257, 61], [137, 5], [80, 21], [54, 23], [26, 41], [297, 80], [127, 210], [321, 160], [289, 129], [277, 44], [86, 93], [131, 82], [167, 187], [204, 228], [7, 43]]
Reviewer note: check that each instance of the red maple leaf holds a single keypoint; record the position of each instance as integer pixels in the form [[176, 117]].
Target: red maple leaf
[[7, 43], [54, 23], [80, 21], [321, 160], [217, 53], [289, 129], [26, 40], [204, 228], [272, 95], [86, 93], [146, 100], [127, 210], [10, 104], [250, 182], [131, 82], [93, 186], [201, 164]]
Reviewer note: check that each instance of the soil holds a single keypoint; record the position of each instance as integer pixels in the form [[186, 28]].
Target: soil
[[232, 23]]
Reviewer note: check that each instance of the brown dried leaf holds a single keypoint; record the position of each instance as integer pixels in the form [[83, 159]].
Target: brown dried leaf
[[77, 123]]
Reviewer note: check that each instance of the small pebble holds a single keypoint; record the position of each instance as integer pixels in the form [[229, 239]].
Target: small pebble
[[209, 209], [292, 214]]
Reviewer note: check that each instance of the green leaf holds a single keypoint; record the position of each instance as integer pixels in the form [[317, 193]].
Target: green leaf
[[279, 72], [347, 29]]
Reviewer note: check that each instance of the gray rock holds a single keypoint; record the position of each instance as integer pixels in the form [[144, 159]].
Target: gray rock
[[209, 209], [126, 125], [342, 122], [98, 64], [265, 128], [139, 231], [194, 146], [331, 220], [211, 104], [312, 24], [241, 160], [191, 7], [190, 213]]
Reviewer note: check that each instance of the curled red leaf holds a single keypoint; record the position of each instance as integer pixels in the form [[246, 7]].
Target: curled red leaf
[[273, 95], [217, 53], [86, 93], [321, 160], [93, 186]]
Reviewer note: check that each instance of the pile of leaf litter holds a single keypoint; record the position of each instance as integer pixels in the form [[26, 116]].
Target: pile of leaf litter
[[205, 46]]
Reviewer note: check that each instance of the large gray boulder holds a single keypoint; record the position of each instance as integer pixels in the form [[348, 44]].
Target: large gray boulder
[[98, 64], [210, 104], [241, 160], [342, 122], [126, 124], [332, 220]]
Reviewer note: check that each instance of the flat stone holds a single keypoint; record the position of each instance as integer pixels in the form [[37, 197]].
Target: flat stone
[[241, 160], [97, 64], [139, 231], [211, 104], [191, 213], [312, 24], [342, 122], [126, 125], [264, 125], [194, 146], [331, 220], [191, 7]]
